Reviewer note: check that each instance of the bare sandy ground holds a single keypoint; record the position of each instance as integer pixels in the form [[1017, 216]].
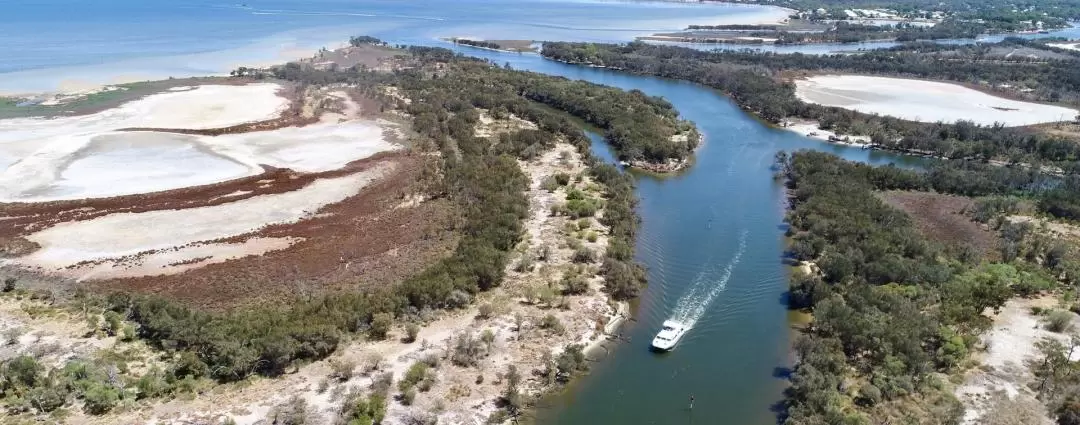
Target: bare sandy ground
[[84, 157], [1070, 46], [811, 130], [925, 101], [144, 243], [33, 328], [1003, 371]]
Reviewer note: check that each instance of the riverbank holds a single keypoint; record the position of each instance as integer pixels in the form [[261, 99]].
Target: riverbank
[[812, 130]]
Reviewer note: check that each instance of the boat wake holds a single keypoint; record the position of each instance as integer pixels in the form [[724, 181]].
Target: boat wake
[[705, 288]]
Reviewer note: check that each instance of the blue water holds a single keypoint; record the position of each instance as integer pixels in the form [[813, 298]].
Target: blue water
[[58, 44], [50, 45], [711, 237]]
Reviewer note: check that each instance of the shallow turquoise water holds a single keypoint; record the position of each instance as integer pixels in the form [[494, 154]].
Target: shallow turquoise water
[[51, 44]]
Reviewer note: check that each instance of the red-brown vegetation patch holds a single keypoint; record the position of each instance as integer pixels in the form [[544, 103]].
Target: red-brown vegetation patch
[[942, 218], [362, 241], [366, 239]]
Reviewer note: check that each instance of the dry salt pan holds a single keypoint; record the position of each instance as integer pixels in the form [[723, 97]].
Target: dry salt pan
[[925, 101], [84, 157]]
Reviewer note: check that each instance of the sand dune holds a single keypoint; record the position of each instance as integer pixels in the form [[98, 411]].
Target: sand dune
[[925, 101]]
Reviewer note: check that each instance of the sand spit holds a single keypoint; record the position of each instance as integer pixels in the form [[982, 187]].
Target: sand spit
[[926, 101], [139, 243]]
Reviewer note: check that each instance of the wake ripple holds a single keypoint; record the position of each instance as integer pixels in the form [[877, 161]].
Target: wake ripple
[[703, 290]]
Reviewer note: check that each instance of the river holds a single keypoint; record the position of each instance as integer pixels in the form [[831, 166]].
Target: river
[[711, 237]]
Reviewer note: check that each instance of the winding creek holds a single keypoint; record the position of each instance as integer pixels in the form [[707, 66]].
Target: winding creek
[[712, 239]]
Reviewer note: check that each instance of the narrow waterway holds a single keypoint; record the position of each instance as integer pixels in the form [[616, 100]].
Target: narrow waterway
[[712, 239]]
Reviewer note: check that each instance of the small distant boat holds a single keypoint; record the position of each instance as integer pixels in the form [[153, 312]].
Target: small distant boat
[[669, 335]]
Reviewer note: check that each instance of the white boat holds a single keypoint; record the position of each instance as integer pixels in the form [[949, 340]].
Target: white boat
[[669, 335]]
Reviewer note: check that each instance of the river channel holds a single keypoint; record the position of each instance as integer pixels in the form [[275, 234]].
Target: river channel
[[712, 239]]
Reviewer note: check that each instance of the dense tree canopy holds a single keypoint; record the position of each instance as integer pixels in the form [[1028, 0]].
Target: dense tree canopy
[[890, 308]]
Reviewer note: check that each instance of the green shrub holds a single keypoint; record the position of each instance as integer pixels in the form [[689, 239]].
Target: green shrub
[[549, 184], [100, 398], [342, 369], [581, 208], [584, 255], [380, 325], [1059, 321], [411, 331], [485, 311], [574, 284], [552, 323], [467, 350], [416, 373], [408, 396]]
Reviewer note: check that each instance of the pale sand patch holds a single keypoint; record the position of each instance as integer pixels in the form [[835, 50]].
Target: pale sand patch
[[96, 165], [1010, 344], [115, 236], [811, 130], [1055, 228], [178, 260], [926, 101], [51, 336], [1069, 46]]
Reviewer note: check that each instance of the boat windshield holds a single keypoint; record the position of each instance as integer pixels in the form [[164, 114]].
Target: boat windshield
[[669, 328]]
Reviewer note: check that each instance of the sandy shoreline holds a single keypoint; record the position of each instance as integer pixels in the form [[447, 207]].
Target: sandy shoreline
[[81, 87], [811, 129]]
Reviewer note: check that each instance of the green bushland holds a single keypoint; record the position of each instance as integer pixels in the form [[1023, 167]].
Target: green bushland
[[638, 126], [479, 174], [754, 81], [891, 309]]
